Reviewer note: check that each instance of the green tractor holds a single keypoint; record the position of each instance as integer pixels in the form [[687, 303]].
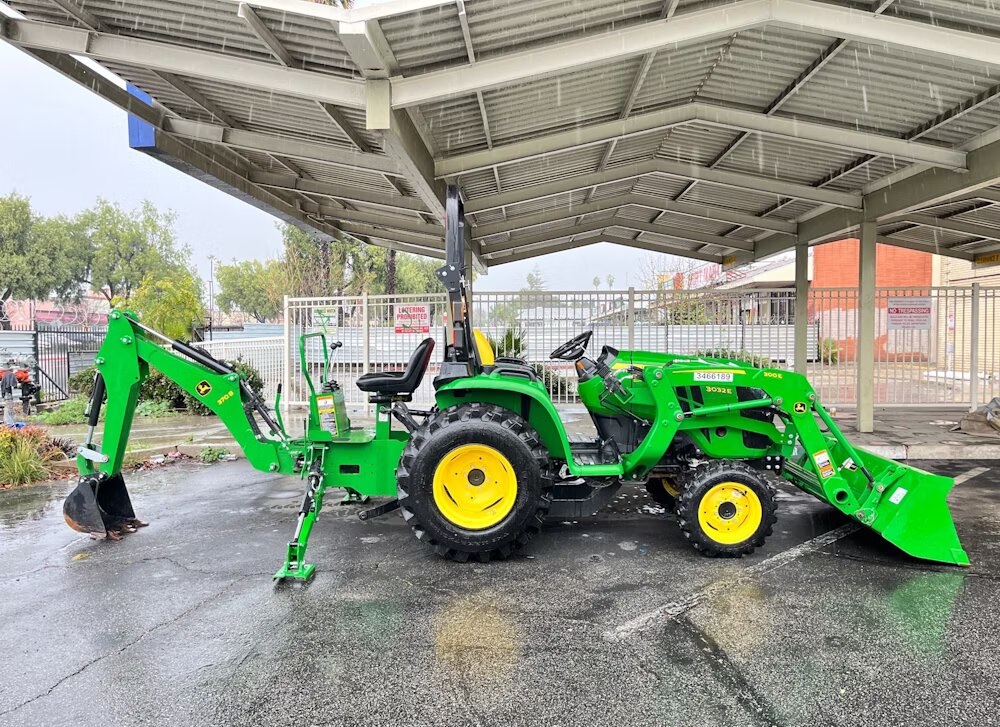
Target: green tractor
[[476, 475]]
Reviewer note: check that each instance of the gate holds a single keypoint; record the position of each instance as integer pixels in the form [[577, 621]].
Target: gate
[[62, 352]]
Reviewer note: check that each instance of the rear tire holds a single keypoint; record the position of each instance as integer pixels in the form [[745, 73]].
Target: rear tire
[[726, 509], [659, 490], [457, 464]]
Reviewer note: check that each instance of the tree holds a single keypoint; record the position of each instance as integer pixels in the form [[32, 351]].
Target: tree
[[128, 247], [390, 272], [611, 281], [38, 257], [535, 280], [417, 274], [597, 282], [250, 287], [171, 304]]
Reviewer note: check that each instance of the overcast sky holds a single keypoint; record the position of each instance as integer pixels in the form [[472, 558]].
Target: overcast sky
[[64, 147]]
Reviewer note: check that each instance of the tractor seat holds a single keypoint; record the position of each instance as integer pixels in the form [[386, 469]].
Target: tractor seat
[[388, 385]]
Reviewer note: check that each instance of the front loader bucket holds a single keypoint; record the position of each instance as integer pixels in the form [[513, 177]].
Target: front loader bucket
[[913, 513], [906, 506], [100, 506]]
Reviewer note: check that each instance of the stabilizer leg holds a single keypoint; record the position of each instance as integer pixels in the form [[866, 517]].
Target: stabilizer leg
[[295, 566]]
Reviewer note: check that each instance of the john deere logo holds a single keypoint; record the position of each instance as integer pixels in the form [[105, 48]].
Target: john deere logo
[[800, 407], [203, 388]]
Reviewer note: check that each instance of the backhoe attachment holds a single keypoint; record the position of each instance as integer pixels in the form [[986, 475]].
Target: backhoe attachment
[[100, 505]]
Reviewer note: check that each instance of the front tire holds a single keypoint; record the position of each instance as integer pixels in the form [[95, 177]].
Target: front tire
[[726, 509], [474, 481]]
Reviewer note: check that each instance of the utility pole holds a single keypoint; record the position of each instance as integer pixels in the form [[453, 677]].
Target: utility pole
[[211, 298]]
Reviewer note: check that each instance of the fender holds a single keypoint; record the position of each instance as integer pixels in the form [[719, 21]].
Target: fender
[[529, 399]]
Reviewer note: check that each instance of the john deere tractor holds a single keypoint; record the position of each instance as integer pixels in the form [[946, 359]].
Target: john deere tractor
[[476, 475]]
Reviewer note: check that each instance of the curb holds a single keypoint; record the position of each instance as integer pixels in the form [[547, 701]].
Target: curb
[[935, 451]]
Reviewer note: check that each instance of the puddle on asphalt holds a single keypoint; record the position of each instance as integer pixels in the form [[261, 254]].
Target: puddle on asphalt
[[30, 503]]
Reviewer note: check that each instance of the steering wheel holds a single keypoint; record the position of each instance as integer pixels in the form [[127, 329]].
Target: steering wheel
[[574, 348]]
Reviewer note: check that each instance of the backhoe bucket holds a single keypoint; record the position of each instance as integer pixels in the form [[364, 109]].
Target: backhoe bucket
[[100, 506]]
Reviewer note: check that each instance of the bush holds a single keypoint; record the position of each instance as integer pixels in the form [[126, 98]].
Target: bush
[[159, 393], [154, 409], [71, 411], [745, 357], [82, 382], [27, 455], [253, 379], [829, 351]]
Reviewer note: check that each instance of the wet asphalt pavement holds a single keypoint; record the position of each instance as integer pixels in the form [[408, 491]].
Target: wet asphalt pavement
[[612, 620]]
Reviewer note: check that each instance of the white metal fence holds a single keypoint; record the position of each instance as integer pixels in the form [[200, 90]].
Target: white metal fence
[[264, 354], [947, 353]]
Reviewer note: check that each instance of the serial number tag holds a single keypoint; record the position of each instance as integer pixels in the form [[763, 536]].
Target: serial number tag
[[714, 376]]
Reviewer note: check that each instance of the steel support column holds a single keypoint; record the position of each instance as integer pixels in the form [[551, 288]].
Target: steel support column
[[801, 307], [865, 348]]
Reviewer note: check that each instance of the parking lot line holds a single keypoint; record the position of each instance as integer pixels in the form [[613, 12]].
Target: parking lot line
[[676, 608]]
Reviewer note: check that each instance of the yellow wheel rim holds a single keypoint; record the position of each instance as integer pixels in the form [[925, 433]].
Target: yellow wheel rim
[[668, 486], [474, 487], [730, 513]]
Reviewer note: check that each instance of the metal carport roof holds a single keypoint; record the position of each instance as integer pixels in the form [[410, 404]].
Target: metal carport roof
[[724, 131]]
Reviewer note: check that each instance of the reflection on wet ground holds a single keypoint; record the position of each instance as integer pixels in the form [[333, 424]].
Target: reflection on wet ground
[[180, 624]]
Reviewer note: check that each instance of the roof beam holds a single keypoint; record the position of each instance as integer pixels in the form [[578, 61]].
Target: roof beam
[[435, 232], [264, 34], [681, 170], [269, 143], [789, 128], [678, 235], [549, 247], [293, 183], [368, 48], [185, 61], [924, 247], [554, 58], [951, 224], [700, 211], [78, 13], [922, 190], [694, 27], [336, 13]]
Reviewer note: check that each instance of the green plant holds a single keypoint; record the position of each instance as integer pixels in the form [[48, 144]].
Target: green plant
[[511, 344], [252, 376], [27, 455], [158, 395], [829, 351], [82, 382], [212, 454], [154, 409], [72, 411], [750, 359]]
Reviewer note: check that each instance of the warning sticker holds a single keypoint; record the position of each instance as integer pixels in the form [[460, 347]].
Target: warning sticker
[[823, 464], [897, 497], [324, 404], [715, 376]]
